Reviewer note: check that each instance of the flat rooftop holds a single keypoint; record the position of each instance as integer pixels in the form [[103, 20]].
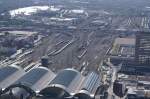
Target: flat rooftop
[[124, 47], [128, 41]]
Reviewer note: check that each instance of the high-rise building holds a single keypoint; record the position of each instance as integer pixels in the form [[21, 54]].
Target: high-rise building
[[142, 50]]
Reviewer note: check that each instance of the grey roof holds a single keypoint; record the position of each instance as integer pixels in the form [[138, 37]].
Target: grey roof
[[35, 75], [60, 85], [83, 94], [36, 79], [65, 77], [6, 72], [91, 82], [89, 86], [9, 75]]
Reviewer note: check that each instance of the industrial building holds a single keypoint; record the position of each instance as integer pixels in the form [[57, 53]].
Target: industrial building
[[45, 84]]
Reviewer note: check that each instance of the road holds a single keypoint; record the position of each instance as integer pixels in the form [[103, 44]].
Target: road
[[115, 69]]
